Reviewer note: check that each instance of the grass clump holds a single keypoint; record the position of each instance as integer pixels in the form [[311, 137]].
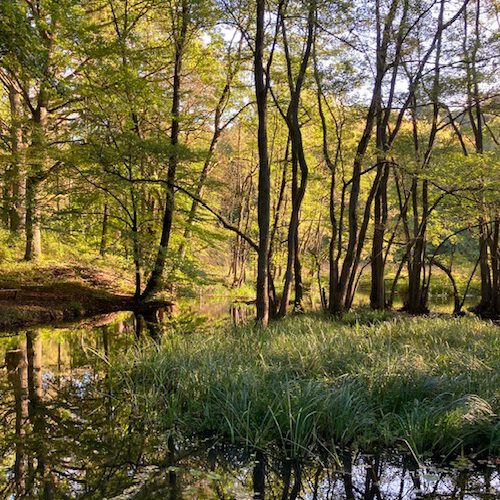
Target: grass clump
[[429, 385]]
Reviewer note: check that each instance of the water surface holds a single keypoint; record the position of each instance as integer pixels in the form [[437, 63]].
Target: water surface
[[65, 432]]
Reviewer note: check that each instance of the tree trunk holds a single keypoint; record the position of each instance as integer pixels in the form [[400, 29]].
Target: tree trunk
[[485, 272], [417, 303], [17, 173], [104, 232], [208, 160], [154, 283], [377, 295], [495, 266], [418, 288], [457, 303], [198, 192], [298, 161], [384, 143], [264, 187], [136, 251], [33, 248]]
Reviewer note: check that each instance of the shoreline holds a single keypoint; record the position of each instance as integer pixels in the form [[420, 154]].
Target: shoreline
[[26, 306]]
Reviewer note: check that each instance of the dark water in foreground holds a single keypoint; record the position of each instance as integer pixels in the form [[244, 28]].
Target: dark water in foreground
[[66, 433]]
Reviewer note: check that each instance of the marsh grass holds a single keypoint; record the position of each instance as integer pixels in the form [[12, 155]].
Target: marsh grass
[[425, 385]]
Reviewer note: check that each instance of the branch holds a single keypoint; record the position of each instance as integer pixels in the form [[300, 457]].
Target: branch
[[218, 216]]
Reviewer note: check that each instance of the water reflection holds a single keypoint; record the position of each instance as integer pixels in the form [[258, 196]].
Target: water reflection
[[219, 474], [63, 431], [66, 432]]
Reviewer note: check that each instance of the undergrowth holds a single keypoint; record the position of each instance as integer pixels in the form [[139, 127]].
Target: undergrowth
[[425, 385]]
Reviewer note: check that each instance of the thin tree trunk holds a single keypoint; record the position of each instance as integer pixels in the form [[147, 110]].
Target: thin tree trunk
[[417, 286], [377, 294], [335, 237], [484, 269], [495, 265], [17, 173], [264, 186], [198, 192], [489, 304], [154, 283], [104, 232], [136, 250], [457, 304], [298, 161], [218, 128]]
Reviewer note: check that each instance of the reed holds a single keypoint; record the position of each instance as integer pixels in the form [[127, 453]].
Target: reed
[[426, 385]]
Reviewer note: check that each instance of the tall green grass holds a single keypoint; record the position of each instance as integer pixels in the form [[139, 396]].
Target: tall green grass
[[426, 385]]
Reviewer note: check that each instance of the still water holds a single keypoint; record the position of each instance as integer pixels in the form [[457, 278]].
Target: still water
[[66, 433]]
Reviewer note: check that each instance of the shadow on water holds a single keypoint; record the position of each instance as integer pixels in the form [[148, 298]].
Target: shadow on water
[[65, 432]]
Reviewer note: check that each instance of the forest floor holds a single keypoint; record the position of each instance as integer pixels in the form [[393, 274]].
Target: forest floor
[[45, 292]]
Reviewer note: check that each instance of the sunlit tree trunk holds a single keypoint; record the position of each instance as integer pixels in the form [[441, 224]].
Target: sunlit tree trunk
[[299, 182], [33, 248], [345, 286], [17, 172], [418, 287], [489, 250], [34, 179], [383, 144], [218, 128], [154, 283]]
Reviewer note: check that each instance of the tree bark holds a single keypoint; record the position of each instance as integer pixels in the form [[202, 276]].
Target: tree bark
[[155, 281], [377, 294], [344, 286], [418, 288], [17, 174], [298, 161], [264, 185], [33, 248], [104, 232], [489, 305], [207, 165]]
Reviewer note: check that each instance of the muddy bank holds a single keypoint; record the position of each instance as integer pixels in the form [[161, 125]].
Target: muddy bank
[[31, 305], [63, 293]]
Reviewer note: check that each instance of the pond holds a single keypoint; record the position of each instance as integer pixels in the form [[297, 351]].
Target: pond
[[66, 433]]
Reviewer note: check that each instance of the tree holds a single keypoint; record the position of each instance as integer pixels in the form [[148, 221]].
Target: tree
[[180, 21]]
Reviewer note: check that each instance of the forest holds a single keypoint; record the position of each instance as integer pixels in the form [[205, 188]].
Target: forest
[[328, 171]]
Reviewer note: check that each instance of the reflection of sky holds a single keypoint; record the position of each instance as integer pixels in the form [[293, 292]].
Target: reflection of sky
[[397, 483]]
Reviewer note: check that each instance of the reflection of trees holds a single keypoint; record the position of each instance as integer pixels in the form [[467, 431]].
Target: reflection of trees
[[349, 477], [24, 368], [291, 489], [37, 415], [17, 370], [71, 434], [150, 321]]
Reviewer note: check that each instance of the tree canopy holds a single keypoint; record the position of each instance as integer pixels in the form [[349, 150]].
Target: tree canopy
[[297, 146]]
